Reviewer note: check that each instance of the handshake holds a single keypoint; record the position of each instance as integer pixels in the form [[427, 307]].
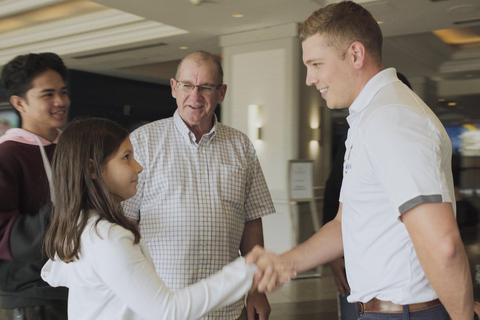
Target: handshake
[[273, 271]]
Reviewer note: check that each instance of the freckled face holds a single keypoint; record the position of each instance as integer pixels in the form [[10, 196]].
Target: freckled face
[[328, 72]]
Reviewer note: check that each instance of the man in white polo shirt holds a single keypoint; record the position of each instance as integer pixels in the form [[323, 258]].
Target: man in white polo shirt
[[396, 224]]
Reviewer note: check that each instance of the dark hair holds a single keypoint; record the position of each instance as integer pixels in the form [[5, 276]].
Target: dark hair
[[343, 23], [404, 79], [18, 74], [83, 148], [203, 57]]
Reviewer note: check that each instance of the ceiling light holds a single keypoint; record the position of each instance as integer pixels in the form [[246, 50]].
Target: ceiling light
[[237, 15], [452, 104], [183, 48], [380, 22], [458, 36], [442, 100]]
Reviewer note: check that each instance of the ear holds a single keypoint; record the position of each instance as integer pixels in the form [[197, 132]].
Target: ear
[[173, 85], [222, 91], [93, 175], [18, 103], [358, 54]]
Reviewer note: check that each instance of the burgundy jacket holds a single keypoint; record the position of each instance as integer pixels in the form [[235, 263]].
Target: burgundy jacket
[[24, 212]]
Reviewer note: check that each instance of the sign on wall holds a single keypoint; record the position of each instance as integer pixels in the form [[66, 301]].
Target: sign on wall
[[300, 180]]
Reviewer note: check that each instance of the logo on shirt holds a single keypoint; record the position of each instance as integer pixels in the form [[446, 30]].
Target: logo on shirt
[[347, 164]]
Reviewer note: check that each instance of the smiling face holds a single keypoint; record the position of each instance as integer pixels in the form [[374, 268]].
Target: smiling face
[[120, 173], [333, 76], [197, 109], [45, 106]]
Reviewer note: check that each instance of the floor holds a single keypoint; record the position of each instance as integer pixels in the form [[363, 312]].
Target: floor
[[315, 298]]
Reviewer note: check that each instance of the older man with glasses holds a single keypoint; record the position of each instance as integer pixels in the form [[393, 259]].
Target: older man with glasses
[[202, 193]]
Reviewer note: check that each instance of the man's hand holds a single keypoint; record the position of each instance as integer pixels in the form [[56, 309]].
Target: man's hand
[[257, 306], [338, 270], [273, 270]]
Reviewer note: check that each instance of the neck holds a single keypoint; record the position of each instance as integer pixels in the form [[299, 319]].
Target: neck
[[200, 129], [199, 132], [366, 75]]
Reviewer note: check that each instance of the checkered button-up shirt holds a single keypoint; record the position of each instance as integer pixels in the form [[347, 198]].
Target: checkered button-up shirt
[[193, 200]]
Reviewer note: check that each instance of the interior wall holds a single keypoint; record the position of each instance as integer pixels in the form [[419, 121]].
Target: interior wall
[[261, 73]]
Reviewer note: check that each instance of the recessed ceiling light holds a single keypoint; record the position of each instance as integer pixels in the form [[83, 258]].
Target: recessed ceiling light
[[237, 15], [442, 100], [380, 22], [452, 104], [183, 48]]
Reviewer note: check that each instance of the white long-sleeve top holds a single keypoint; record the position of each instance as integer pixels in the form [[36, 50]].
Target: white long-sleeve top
[[116, 279]]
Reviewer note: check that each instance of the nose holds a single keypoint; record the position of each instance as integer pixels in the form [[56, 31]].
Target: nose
[[311, 79], [61, 100], [137, 166], [195, 94]]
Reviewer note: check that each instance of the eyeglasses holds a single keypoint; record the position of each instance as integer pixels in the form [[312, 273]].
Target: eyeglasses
[[188, 88]]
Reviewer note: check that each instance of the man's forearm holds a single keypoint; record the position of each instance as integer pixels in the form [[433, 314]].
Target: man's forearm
[[252, 236], [434, 233], [324, 246], [451, 278]]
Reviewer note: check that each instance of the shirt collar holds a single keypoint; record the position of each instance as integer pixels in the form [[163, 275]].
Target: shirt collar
[[188, 134], [375, 84]]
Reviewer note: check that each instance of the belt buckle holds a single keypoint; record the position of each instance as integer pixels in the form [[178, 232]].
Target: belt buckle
[[360, 308]]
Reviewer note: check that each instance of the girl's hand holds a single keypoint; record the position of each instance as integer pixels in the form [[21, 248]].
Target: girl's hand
[[273, 270]]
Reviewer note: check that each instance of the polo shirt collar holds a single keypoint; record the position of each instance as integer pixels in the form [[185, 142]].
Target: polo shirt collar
[[375, 84], [188, 134]]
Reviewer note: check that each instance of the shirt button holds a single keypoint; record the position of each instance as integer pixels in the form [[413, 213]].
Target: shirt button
[[199, 149], [204, 195], [201, 172], [206, 219]]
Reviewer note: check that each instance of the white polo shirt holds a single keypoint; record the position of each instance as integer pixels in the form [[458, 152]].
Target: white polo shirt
[[398, 155]]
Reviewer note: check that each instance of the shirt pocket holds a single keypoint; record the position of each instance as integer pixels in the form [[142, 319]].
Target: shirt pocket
[[232, 185]]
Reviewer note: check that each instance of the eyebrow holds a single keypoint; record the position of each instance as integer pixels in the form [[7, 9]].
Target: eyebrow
[[311, 60], [52, 90], [201, 85], [46, 90]]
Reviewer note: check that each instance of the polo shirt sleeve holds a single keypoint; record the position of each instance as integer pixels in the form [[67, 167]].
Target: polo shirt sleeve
[[258, 202], [405, 148], [131, 206]]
